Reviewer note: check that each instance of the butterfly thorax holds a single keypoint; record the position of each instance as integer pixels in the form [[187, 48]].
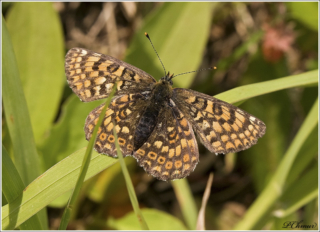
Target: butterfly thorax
[[159, 98]]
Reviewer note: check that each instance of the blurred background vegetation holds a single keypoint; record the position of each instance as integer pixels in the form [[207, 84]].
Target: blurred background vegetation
[[248, 42]]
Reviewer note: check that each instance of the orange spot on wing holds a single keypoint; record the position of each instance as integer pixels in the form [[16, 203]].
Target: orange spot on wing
[[229, 145], [168, 165], [216, 126], [225, 138], [240, 117], [178, 150], [171, 153], [93, 58], [226, 126], [184, 122], [178, 164], [94, 74]]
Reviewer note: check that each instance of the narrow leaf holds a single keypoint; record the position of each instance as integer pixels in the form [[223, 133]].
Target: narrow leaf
[[85, 165], [132, 194], [248, 91], [12, 186], [17, 117]]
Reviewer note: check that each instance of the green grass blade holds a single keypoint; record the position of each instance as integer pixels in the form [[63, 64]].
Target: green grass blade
[[85, 165], [300, 193], [132, 194], [17, 117], [40, 59], [305, 158], [248, 91], [186, 202], [12, 186], [310, 196], [53, 183], [274, 189]]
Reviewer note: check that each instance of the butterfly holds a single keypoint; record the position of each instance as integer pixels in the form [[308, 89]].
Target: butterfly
[[155, 123]]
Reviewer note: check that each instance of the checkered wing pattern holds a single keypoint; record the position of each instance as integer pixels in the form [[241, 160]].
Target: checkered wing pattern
[[124, 111], [171, 152], [92, 75], [222, 127]]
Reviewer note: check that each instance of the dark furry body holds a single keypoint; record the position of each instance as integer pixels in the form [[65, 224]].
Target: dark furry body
[[159, 98]]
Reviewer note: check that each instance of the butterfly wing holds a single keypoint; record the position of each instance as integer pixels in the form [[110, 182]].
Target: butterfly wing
[[92, 75], [171, 151], [125, 110], [222, 127]]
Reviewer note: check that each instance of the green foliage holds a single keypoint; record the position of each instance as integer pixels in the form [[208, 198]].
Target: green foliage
[[52, 184], [169, 32], [186, 202], [276, 186], [85, 165], [298, 10], [67, 136], [12, 186], [158, 220], [37, 40], [283, 165], [18, 121], [132, 194]]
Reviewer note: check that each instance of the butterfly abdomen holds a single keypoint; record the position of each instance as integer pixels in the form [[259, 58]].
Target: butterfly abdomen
[[161, 92], [145, 126]]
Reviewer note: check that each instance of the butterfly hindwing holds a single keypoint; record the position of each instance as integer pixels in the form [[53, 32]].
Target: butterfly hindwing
[[124, 111], [92, 75], [222, 127], [171, 152]]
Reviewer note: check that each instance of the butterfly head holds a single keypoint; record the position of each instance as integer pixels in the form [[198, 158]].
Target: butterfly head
[[167, 78]]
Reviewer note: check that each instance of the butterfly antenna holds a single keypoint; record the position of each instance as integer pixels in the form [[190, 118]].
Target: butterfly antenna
[[147, 35], [214, 67]]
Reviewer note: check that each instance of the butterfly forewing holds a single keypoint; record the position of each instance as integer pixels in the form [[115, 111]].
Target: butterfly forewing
[[92, 75], [124, 111], [222, 127], [171, 152]]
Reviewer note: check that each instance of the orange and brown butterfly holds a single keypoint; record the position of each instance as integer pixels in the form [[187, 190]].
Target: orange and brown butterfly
[[155, 123]]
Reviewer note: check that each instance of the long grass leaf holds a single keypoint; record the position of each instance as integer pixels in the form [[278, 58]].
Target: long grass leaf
[[248, 91], [132, 194], [16, 112], [12, 186], [274, 189], [56, 181], [85, 165]]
